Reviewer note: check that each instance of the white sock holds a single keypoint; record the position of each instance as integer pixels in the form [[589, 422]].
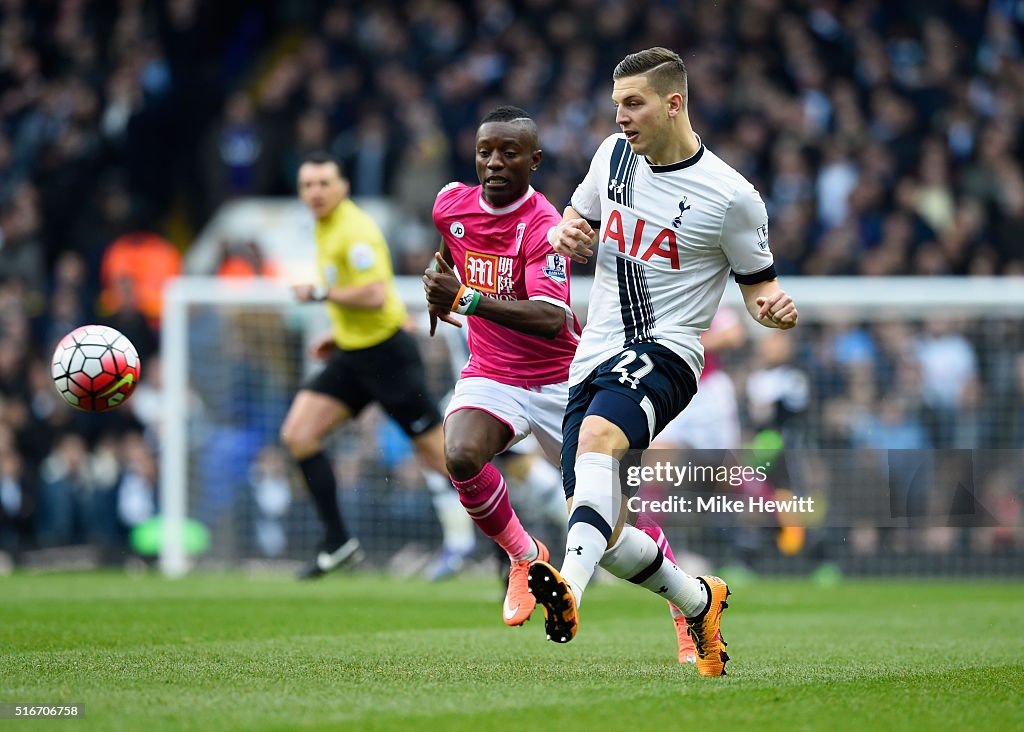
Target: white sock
[[531, 554], [636, 558], [597, 491], [630, 554], [457, 528], [584, 545], [687, 593]]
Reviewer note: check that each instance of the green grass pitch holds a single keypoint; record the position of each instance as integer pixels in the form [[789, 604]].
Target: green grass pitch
[[366, 652]]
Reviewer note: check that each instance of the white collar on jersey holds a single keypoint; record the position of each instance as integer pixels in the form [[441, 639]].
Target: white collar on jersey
[[509, 208]]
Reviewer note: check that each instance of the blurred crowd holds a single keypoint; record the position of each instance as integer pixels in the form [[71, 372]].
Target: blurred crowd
[[885, 139]]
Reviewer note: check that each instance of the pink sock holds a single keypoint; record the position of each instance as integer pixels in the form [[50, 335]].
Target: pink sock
[[485, 498], [647, 525]]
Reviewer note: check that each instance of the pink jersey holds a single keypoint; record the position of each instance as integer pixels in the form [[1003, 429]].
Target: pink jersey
[[504, 253]]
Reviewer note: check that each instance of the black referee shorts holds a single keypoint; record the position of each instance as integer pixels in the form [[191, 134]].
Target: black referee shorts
[[391, 373]]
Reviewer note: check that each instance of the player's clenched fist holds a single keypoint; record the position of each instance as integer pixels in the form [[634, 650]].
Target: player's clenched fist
[[574, 238], [778, 309]]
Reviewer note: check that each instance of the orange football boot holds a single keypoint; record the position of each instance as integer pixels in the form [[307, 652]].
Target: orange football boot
[[519, 603], [687, 651], [705, 629]]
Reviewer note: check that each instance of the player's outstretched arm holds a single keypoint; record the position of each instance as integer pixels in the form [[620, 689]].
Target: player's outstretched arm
[[573, 237], [769, 305], [446, 294]]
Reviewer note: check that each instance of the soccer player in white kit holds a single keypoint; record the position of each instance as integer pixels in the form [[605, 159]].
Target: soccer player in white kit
[[672, 220]]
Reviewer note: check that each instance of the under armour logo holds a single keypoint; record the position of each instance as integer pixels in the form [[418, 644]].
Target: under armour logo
[[614, 185], [662, 590], [683, 208], [578, 550]]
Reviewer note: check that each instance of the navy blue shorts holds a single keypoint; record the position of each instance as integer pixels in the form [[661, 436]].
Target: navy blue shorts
[[640, 390]]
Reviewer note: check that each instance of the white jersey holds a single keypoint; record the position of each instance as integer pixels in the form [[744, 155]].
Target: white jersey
[[669, 236]]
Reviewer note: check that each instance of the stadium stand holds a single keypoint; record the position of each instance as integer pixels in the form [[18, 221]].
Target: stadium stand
[[885, 138]]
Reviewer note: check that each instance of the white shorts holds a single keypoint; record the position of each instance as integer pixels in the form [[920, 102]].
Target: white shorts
[[710, 421], [537, 411]]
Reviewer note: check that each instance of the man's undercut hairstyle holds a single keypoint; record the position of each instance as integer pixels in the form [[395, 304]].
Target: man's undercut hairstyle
[[515, 116], [665, 71], [320, 157]]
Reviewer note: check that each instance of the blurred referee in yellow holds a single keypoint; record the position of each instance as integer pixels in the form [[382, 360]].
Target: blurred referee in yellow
[[369, 357]]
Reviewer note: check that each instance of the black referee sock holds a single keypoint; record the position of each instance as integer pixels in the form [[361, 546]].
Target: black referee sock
[[319, 475]]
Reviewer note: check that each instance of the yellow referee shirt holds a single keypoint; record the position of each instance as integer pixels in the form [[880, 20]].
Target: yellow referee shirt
[[350, 252]]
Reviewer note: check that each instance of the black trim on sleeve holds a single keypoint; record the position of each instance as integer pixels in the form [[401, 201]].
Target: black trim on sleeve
[[766, 274], [595, 224]]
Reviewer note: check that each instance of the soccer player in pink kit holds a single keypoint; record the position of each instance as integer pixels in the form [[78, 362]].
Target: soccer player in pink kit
[[496, 266]]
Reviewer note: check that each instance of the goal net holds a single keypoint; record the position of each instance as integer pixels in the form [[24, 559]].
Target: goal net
[[913, 364]]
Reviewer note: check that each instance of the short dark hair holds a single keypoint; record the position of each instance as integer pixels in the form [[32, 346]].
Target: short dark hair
[[664, 69], [515, 115], [320, 157], [506, 113]]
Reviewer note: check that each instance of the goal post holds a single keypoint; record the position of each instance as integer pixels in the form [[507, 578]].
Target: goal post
[[179, 294]]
